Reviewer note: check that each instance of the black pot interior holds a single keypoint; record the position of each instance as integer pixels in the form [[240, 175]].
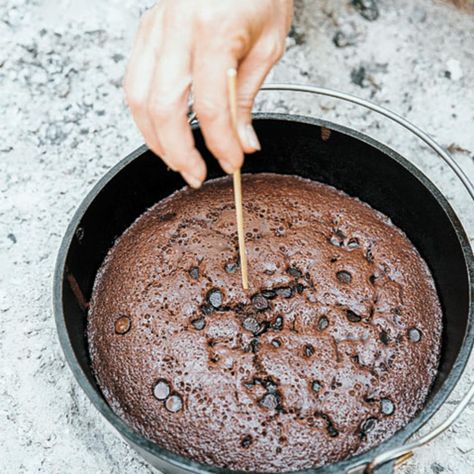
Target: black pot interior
[[297, 146]]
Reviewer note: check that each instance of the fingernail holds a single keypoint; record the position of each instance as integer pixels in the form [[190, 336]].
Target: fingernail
[[192, 180], [228, 167], [250, 137]]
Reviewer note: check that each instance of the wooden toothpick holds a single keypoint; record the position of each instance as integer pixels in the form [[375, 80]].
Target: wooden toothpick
[[232, 85]]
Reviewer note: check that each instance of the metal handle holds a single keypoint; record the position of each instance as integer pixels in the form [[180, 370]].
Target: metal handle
[[405, 451]]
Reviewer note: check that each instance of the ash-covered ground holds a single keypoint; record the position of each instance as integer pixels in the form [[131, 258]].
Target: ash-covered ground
[[64, 124]]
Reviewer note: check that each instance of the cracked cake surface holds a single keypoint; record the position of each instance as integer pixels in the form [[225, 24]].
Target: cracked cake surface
[[332, 349]]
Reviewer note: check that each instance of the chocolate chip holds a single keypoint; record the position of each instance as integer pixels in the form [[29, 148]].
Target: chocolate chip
[[414, 335], [284, 292], [162, 389], [276, 343], [174, 403], [259, 302], [344, 277], [269, 294], [294, 272], [194, 273], [353, 317], [308, 350], [316, 386], [323, 323], [207, 309], [122, 325], [254, 343], [367, 425], [246, 441], [270, 385], [337, 239], [252, 325], [199, 323], [332, 432], [353, 243], [384, 337], [230, 267], [214, 297], [270, 401], [277, 324], [386, 406], [372, 279], [299, 288]]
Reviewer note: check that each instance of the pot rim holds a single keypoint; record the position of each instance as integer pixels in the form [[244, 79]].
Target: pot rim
[[132, 436]]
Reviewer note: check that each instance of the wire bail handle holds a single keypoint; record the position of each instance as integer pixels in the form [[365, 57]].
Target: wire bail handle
[[405, 451]]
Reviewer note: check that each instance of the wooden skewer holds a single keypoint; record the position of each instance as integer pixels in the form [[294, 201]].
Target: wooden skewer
[[232, 85]]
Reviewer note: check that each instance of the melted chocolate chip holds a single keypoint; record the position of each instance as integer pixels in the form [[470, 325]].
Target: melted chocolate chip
[[316, 386], [372, 279], [308, 350], [207, 309], [161, 390], [252, 325], [230, 267], [294, 272], [174, 403], [323, 323], [386, 406], [337, 239], [122, 325], [199, 323], [277, 324], [246, 441], [332, 432], [344, 277], [384, 337], [259, 302], [214, 297], [269, 294], [414, 335], [194, 273], [367, 425], [270, 401], [254, 343], [353, 317], [276, 343], [270, 385], [353, 243], [284, 292], [299, 288]]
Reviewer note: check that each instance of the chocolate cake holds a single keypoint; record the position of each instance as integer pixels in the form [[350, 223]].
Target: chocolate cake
[[331, 351]]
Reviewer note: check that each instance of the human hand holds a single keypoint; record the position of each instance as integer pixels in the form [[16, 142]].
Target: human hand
[[185, 45]]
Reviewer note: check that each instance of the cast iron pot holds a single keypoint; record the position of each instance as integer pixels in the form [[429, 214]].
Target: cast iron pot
[[292, 145]]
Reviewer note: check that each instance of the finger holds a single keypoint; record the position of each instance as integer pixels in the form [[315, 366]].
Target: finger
[[211, 103], [251, 74], [138, 77], [168, 107]]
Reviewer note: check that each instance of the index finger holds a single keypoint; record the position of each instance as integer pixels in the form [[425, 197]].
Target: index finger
[[211, 103]]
